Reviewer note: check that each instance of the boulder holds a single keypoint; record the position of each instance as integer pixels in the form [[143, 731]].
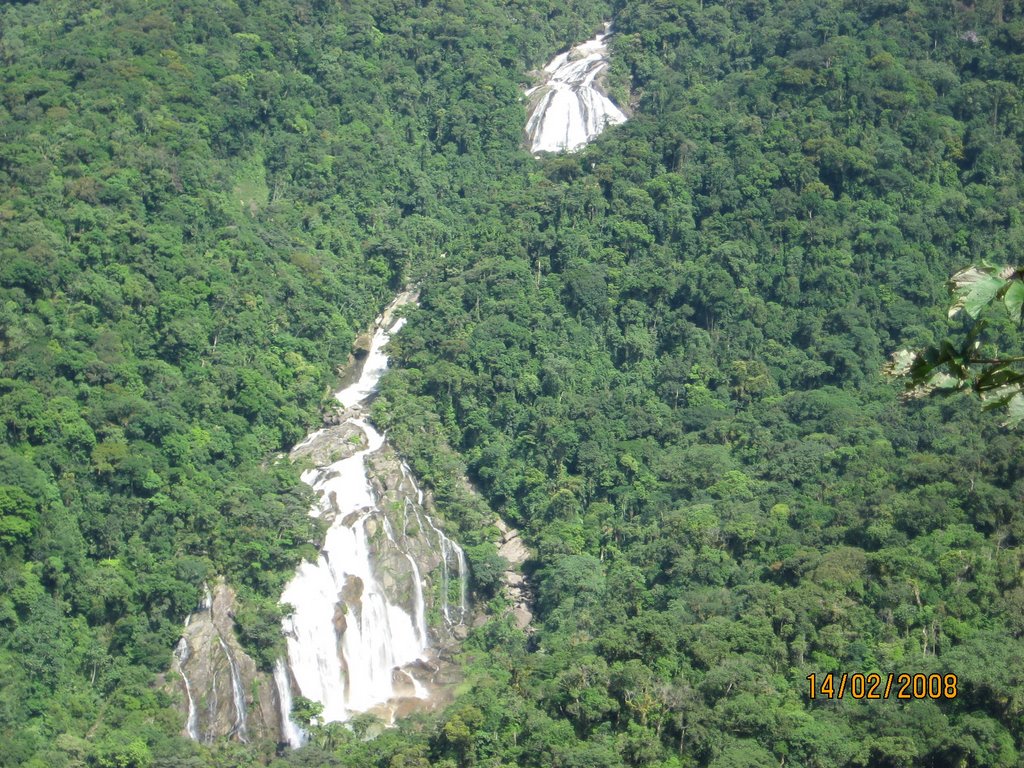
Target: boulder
[[330, 444], [514, 551]]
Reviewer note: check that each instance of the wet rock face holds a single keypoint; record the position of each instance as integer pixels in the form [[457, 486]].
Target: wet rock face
[[352, 592], [407, 507], [408, 542], [223, 694], [408, 533]]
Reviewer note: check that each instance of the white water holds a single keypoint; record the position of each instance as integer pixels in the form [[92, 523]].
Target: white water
[[449, 550], [373, 368], [572, 109], [290, 732], [241, 727], [181, 655], [354, 670]]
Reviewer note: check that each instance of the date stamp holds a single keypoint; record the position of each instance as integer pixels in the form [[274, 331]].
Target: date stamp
[[876, 686]]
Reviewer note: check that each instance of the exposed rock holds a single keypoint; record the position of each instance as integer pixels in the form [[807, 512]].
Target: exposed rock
[[514, 551], [510, 546], [361, 346], [507, 532], [437, 679], [518, 589], [340, 619], [223, 693], [405, 685], [522, 616], [330, 444], [352, 592]]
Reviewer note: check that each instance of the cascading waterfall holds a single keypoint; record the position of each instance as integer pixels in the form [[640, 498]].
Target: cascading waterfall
[[572, 109], [448, 549], [240, 728], [290, 732], [349, 640], [181, 656]]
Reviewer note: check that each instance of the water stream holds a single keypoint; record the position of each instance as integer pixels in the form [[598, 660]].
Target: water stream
[[356, 625], [571, 108], [181, 656], [240, 728]]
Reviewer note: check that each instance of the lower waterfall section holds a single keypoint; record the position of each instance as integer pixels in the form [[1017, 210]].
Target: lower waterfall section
[[357, 632], [345, 635], [226, 696], [181, 656], [290, 732]]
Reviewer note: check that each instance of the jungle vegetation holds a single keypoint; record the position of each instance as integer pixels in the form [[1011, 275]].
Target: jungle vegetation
[[661, 358]]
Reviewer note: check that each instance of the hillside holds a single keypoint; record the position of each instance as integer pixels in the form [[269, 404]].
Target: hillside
[[659, 358]]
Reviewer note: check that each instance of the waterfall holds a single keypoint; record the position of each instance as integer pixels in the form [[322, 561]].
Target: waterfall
[[237, 692], [181, 654], [290, 732], [449, 550], [572, 108], [348, 638]]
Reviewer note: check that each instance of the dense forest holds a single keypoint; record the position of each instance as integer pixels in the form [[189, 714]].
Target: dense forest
[[661, 358]]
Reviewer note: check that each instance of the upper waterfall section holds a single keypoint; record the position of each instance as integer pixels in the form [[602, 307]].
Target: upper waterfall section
[[571, 108]]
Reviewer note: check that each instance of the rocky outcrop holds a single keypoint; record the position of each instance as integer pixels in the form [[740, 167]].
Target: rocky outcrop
[[411, 540], [223, 694], [361, 346], [518, 589], [330, 444]]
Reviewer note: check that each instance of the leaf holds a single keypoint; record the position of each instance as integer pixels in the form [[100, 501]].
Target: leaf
[[972, 289], [1014, 411], [1014, 300], [995, 379]]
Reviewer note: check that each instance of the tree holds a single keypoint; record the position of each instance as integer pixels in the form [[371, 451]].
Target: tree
[[18, 515]]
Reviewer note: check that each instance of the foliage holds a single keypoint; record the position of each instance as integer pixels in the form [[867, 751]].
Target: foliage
[[664, 369], [658, 358], [982, 367]]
